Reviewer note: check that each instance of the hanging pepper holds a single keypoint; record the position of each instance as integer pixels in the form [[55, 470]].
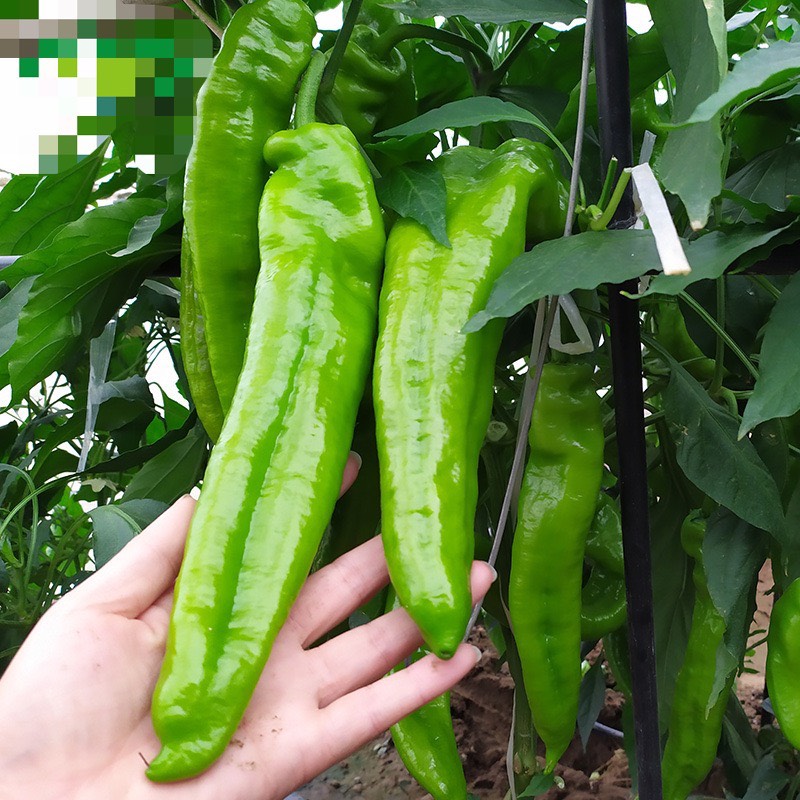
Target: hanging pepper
[[695, 722], [373, 86], [783, 662], [556, 506], [426, 741], [247, 97], [195, 352], [603, 607], [274, 476], [433, 383], [675, 338]]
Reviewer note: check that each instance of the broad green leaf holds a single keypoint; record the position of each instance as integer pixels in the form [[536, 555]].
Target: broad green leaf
[[466, 113], [55, 200], [119, 180], [498, 11], [733, 552], [11, 305], [538, 785], [714, 459], [756, 71], [417, 191], [769, 179], [591, 700], [173, 472], [694, 38], [710, 255], [777, 390], [583, 261], [115, 525]]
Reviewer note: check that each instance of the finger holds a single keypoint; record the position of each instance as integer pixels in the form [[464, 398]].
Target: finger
[[332, 594], [362, 655], [144, 569], [362, 715], [351, 469]]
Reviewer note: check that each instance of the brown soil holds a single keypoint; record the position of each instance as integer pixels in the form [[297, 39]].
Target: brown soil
[[482, 705]]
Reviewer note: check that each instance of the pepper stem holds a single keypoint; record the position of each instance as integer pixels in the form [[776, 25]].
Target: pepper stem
[[305, 108], [413, 30], [205, 18], [340, 45]]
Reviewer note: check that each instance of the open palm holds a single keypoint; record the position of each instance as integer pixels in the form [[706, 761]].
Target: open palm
[[75, 701]]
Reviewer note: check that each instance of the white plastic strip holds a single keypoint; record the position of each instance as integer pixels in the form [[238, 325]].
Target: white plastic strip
[[653, 205]]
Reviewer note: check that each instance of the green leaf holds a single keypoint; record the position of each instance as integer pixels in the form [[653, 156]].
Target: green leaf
[[119, 180], [582, 261], [11, 305], [767, 780], [694, 38], [498, 11], [539, 785], [776, 391], [768, 179], [711, 456], [710, 255], [591, 700], [756, 71], [173, 472], [466, 113], [115, 525], [733, 552], [417, 191], [52, 202]]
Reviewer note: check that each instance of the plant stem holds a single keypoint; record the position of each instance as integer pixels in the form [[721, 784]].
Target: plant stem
[[719, 352], [305, 110], [415, 30], [766, 285], [205, 18], [608, 212], [339, 46], [712, 323]]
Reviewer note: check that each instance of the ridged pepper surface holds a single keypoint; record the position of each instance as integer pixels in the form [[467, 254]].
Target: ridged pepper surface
[[274, 476], [433, 383]]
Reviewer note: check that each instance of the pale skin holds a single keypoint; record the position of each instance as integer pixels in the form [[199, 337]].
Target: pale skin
[[75, 701]]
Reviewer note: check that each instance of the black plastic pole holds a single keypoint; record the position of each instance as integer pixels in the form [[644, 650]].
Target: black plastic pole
[[614, 110]]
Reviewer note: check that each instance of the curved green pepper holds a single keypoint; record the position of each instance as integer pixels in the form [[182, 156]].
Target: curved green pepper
[[675, 338], [370, 85], [603, 601], [426, 741], [556, 506], [433, 383], [274, 476], [783, 662], [247, 97], [195, 353], [695, 723]]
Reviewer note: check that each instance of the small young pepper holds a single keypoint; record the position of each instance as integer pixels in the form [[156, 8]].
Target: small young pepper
[[247, 97], [274, 475], [783, 662], [433, 383], [695, 722], [556, 507]]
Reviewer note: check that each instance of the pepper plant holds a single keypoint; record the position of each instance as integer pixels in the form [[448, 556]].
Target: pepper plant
[[459, 120]]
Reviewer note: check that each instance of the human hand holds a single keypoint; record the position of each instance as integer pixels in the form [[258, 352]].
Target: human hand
[[75, 701]]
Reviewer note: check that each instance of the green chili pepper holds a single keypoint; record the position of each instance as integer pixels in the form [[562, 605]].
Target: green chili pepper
[[274, 476], [426, 741], [369, 85], [195, 353], [247, 97], [695, 722], [672, 334], [783, 662], [603, 602], [556, 506], [433, 383]]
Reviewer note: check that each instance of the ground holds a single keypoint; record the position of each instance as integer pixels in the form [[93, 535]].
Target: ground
[[481, 713]]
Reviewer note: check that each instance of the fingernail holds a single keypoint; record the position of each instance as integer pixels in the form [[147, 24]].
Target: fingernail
[[494, 571], [477, 653], [357, 457]]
